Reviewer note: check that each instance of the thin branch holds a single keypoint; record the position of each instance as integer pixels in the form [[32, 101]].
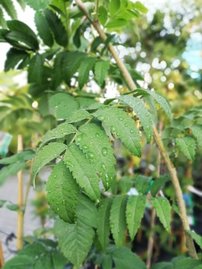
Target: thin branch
[[168, 162]]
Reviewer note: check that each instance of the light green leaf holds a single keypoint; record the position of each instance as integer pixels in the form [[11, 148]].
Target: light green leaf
[[45, 155], [101, 71], [117, 220], [163, 210], [2, 19], [62, 105], [102, 15], [140, 7], [141, 111], [86, 211], [187, 145], [197, 133], [75, 240], [197, 238], [114, 6], [78, 115], [62, 192], [43, 29], [163, 265], [125, 259], [134, 213], [11, 170], [9, 8], [38, 4], [103, 229], [93, 141], [82, 171], [161, 101], [185, 263], [84, 69], [60, 131], [21, 156], [121, 126]]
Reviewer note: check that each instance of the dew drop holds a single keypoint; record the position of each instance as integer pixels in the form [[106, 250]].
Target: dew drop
[[104, 151], [78, 139], [132, 131], [85, 147], [121, 119], [91, 155]]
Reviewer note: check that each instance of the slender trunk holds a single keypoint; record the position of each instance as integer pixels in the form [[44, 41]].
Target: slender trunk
[[172, 170], [1, 255], [20, 217]]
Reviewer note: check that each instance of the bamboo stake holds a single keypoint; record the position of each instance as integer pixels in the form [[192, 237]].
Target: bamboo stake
[[164, 154], [20, 216], [1, 255]]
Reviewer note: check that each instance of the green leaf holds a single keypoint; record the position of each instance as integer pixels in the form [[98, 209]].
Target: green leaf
[[38, 4], [114, 7], [103, 229], [121, 126], [140, 7], [187, 145], [36, 69], [197, 238], [24, 32], [62, 105], [163, 210], [101, 71], [142, 183], [86, 211], [14, 58], [163, 265], [62, 192], [102, 15], [197, 133], [75, 240], [78, 115], [43, 29], [93, 141], [117, 220], [125, 259], [185, 263], [158, 184], [19, 157], [11, 170], [161, 101], [143, 114], [57, 28], [2, 19], [60, 131], [84, 69], [9, 8], [82, 171], [45, 155], [134, 213], [107, 262]]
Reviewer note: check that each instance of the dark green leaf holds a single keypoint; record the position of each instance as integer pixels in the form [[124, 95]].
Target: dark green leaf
[[43, 29], [57, 28]]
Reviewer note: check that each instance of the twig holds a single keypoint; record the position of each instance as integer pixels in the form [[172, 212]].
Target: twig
[[164, 154], [20, 217], [1, 255]]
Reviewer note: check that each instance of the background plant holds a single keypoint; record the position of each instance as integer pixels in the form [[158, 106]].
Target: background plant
[[62, 70]]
